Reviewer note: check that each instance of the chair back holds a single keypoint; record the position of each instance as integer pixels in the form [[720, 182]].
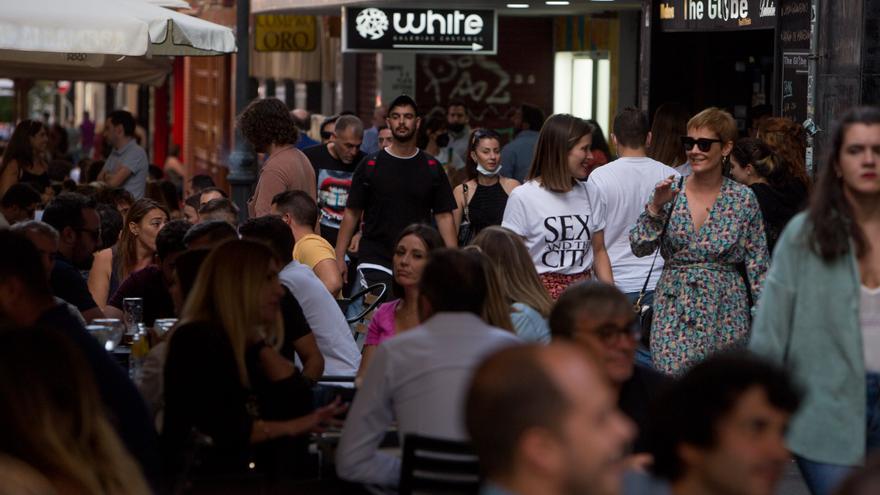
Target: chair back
[[435, 466]]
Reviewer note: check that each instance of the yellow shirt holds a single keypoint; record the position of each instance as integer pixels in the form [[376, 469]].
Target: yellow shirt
[[313, 249]]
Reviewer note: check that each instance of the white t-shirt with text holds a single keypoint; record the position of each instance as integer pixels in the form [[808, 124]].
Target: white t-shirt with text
[[557, 227], [622, 190]]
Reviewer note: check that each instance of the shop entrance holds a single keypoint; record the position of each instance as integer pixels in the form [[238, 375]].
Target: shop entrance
[[731, 70]]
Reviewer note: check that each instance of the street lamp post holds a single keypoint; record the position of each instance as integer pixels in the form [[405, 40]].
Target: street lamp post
[[242, 161]]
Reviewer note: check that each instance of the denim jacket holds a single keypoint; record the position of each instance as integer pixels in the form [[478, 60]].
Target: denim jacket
[[808, 321]]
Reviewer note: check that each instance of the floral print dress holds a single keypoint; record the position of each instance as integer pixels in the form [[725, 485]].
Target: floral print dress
[[701, 302]]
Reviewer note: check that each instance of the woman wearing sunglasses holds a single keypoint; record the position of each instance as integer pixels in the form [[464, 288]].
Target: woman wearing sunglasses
[[714, 247], [552, 212]]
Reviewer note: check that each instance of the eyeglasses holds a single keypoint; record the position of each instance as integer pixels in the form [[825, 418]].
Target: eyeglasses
[[608, 332], [482, 134], [326, 134], [703, 143]]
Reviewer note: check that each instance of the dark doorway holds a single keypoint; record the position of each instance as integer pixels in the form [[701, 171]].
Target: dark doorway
[[728, 69]]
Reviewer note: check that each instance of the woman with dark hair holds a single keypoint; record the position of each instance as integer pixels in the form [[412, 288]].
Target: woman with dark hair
[[706, 231], [552, 212], [669, 125], [779, 194], [411, 253], [23, 160], [136, 249], [599, 149], [481, 199], [819, 315]]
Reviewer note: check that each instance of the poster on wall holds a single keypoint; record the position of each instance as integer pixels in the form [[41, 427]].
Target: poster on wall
[[708, 15], [794, 39]]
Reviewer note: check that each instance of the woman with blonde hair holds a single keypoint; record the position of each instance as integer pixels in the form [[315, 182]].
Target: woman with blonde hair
[[552, 211], [519, 283], [226, 380], [496, 310], [711, 236], [53, 420], [135, 250]]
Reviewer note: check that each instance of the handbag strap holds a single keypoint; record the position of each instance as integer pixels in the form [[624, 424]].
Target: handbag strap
[[660, 244], [467, 215]]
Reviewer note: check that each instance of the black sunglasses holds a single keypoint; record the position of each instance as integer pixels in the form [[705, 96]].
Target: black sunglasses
[[705, 144], [609, 332]]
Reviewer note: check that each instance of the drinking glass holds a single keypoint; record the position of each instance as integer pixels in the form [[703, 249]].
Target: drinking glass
[[117, 328], [162, 325], [133, 308], [101, 333]]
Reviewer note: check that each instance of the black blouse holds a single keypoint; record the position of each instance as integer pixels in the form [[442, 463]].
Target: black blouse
[[204, 395]]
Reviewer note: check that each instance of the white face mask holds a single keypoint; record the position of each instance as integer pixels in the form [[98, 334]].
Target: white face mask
[[488, 173]]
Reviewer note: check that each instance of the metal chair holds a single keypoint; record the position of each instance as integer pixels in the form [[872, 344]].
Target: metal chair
[[378, 290], [435, 466]]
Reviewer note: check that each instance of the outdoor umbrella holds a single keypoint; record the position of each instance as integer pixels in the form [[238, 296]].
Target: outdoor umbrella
[[102, 40]]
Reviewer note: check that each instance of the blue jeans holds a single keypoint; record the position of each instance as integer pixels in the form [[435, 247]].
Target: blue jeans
[[823, 478], [643, 354]]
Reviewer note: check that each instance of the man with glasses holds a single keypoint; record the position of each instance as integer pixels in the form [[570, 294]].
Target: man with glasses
[[334, 165], [79, 228], [600, 319]]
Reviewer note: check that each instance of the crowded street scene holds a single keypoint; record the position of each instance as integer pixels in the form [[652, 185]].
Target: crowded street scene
[[479, 247]]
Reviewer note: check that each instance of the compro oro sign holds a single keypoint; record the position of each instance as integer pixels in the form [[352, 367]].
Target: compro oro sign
[[285, 33], [370, 29]]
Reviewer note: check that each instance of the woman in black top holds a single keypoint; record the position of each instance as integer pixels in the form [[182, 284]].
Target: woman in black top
[[780, 195], [24, 158], [481, 199], [226, 380]]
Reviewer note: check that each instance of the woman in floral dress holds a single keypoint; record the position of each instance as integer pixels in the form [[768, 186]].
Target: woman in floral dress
[[701, 301]]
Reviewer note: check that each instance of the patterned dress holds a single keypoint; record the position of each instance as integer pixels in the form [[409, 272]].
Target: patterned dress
[[701, 303]]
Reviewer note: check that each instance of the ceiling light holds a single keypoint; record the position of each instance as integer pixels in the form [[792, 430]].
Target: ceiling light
[[557, 2], [517, 6]]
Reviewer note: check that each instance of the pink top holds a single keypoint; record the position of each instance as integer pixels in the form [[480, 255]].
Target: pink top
[[382, 325]]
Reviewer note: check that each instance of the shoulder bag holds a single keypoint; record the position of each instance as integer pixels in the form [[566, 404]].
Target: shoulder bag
[[465, 232], [645, 312]]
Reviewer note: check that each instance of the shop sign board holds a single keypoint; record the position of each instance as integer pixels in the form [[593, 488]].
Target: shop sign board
[[710, 15], [285, 33], [464, 31]]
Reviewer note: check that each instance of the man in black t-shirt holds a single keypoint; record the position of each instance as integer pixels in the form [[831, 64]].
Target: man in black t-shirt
[[334, 165], [392, 189]]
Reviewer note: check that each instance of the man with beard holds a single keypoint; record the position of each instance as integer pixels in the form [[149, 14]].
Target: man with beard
[[334, 165], [543, 421], [391, 189], [721, 428], [268, 126], [79, 228], [458, 129], [26, 300]]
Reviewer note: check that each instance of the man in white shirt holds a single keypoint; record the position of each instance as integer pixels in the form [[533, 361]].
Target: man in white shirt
[[621, 189], [321, 311], [420, 377]]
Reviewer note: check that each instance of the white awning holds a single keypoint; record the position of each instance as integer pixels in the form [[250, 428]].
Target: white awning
[[111, 27]]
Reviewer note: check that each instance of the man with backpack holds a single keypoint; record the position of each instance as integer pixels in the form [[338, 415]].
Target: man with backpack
[[391, 189]]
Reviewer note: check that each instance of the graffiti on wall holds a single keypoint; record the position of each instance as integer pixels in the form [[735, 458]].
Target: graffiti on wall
[[490, 86]]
